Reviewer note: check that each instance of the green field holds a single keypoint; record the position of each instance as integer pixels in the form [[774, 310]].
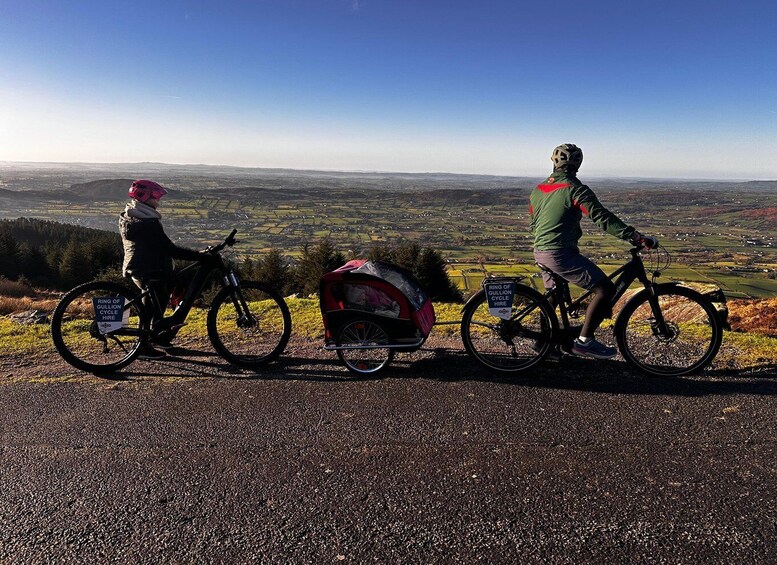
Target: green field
[[721, 237]]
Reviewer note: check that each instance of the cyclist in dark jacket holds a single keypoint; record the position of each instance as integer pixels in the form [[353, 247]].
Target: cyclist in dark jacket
[[148, 252], [556, 208]]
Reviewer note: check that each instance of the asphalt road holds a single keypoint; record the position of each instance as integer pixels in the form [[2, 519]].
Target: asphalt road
[[190, 460]]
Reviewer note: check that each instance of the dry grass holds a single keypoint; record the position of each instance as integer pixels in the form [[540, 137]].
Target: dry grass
[[16, 296], [754, 316], [15, 289], [11, 305]]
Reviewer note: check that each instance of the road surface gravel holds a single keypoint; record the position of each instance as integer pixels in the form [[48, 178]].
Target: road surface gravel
[[192, 460]]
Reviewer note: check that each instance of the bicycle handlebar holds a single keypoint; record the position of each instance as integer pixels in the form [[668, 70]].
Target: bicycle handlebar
[[639, 246], [229, 241]]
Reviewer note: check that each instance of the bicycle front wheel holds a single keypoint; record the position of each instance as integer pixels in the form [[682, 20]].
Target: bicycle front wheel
[[251, 337], [679, 333], [82, 337], [509, 346]]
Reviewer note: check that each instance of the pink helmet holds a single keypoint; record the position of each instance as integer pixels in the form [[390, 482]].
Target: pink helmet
[[142, 190]]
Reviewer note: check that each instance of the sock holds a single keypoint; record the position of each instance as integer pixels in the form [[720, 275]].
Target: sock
[[582, 339]]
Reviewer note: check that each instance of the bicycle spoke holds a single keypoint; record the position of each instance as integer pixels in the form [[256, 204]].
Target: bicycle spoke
[[78, 337], [368, 356], [249, 337], [508, 345], [686, 341]]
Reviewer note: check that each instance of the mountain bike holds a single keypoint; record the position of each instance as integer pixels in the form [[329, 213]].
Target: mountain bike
[[101, 326], [663, 330]]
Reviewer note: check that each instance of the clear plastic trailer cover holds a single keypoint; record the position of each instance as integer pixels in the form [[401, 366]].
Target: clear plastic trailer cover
[[408, 286]]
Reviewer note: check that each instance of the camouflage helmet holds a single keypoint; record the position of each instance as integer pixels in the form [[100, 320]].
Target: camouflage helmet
[[567, 156]]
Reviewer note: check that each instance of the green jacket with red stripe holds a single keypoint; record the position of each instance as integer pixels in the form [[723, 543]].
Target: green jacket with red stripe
[[556, 208]]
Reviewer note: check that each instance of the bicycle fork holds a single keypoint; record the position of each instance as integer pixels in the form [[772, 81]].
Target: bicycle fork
[[244, 317], [658, 325]]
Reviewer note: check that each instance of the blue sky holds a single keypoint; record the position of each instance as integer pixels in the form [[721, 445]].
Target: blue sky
[[646, 88]]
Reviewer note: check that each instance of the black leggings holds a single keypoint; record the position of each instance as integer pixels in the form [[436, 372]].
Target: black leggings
[[162, 295], [598, 309]]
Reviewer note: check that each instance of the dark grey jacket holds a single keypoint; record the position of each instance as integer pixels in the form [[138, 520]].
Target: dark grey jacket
[[148, 252]]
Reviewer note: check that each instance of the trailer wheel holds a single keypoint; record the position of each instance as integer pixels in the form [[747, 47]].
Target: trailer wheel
[[366, 344]]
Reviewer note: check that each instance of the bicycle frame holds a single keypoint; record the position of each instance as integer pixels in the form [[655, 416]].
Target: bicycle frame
[[626, 274], [633, 270], [193, 290]]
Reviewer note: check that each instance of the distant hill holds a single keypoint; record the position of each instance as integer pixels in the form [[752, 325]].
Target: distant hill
[[27, 195], [770, 185], [111, 190], [25, 187], [103, 190]]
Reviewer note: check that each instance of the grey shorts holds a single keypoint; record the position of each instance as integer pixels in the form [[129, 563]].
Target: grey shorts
[[571, 266]]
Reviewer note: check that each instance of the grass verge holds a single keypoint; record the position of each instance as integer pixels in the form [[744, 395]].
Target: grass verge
[[739, 351]]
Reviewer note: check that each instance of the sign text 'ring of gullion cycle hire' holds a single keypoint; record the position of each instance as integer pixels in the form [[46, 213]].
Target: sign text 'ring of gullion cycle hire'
[[500, 298], [109, 313]]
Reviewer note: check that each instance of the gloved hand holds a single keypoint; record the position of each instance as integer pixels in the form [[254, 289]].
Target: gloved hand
[[208, 258], [648, 241]]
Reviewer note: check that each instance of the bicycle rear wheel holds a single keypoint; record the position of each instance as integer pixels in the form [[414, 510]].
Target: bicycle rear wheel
[[685, 343], [254, 337], [82, 342], [509, 346]]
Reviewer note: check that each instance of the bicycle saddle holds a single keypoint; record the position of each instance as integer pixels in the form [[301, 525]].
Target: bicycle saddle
[[553, 275], [145, 278]]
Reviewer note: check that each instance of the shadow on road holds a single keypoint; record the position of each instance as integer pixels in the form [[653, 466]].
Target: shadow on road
[[188, 363], [571, 373], [608, 377]]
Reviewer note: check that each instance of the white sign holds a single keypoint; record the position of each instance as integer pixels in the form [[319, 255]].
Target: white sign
[[500, 298], [109, 313]]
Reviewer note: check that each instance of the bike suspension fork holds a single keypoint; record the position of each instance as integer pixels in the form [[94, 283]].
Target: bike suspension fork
[[238, 300], [655, 307]]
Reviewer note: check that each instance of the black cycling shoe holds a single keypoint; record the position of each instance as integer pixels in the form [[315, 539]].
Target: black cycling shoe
[[164, 339], [151, 354], [163, 344]]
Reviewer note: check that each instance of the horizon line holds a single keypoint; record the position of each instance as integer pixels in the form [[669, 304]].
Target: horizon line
[[374, 171]]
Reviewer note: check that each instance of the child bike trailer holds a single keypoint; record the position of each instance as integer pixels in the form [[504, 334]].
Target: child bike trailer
[[372, 309]]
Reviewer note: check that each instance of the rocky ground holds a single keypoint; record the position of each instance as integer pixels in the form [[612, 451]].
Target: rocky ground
[[192, 460]]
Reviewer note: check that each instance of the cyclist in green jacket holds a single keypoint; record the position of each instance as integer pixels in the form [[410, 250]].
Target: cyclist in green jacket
[[556, 208]]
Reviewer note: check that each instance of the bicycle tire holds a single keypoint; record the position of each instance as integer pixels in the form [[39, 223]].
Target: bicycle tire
[[687, 313], [499, 344], [373, 358], [258, 342], [75, 335]]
